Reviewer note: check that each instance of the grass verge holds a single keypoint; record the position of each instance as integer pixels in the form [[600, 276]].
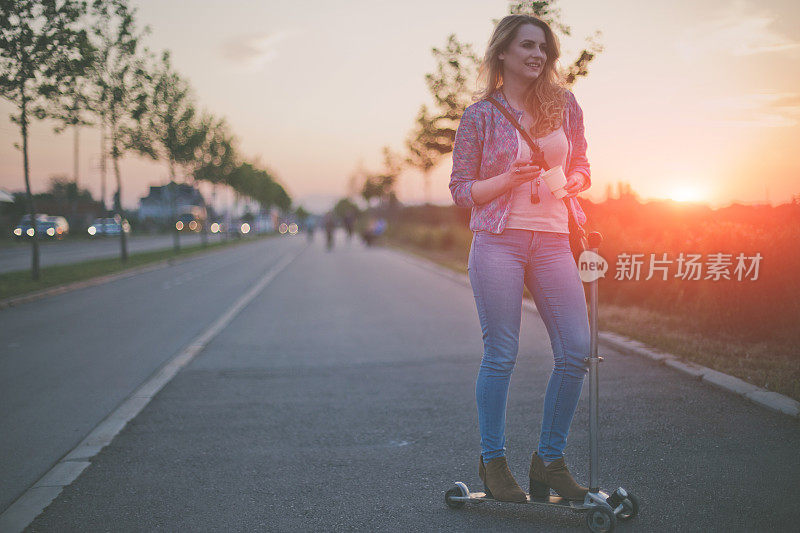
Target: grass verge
[[19, 282], [771, 365]]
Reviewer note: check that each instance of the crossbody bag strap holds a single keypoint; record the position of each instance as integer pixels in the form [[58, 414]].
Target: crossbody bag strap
[[534, 147]]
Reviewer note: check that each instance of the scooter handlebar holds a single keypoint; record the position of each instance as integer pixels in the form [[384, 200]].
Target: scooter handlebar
[[594, 239]]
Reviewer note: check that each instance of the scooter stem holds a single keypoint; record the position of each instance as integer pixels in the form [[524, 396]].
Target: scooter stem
[[594, 241]]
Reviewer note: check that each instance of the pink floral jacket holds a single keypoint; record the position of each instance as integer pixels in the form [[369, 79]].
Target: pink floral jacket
[[486, 145]]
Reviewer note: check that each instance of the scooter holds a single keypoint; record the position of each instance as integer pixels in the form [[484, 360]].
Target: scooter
[[602, 509]]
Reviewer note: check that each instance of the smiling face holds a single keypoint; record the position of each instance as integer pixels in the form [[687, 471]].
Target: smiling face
[[526, 55]]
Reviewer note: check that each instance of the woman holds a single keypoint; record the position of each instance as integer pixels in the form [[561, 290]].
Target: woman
[[521, 236]]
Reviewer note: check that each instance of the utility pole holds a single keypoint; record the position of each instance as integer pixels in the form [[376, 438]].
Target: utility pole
[[75, 155], [74, 201]]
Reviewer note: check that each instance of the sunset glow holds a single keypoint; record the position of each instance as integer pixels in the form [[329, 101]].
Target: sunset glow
[[721, 101], [688, 193]]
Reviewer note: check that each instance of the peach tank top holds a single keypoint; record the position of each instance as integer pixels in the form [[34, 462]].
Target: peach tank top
[[550, 214]]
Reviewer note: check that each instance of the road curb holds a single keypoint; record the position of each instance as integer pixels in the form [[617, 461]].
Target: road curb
[[757, 395], [763, 397]]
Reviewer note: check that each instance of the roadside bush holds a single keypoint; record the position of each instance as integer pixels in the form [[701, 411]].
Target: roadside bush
[[764, 309]]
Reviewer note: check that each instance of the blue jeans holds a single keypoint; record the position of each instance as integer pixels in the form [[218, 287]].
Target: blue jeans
[[498, 267]]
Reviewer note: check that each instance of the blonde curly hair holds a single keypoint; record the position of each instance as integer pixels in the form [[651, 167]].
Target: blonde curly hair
[[545, 98]]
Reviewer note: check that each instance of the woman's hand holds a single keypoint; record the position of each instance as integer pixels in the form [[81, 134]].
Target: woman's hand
[[523, 172], [575, 184]]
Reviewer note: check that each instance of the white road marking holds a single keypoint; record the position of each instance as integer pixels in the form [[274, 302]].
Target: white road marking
[[33, 501]]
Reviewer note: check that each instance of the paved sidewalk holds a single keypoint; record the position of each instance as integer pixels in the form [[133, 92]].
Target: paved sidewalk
[[342, 398]]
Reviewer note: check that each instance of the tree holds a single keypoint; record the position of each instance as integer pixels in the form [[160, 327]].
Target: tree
[[381, 185], [301, 214], [69, 106], [356, 179], [41, 47], [546, 10], [279, 197], [345, 208], [421, 156], [435, 130], [66, 190], [166, 130], [259, 185], [371, 188], [625, 192], [119, 85], [214, 156]]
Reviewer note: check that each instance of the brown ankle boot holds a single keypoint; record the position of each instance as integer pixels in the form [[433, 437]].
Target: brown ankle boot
[[555, 476], [498, 481]]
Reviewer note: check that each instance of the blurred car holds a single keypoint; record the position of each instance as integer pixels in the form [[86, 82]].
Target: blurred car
[[216, 227], [108, 226], [262, 223], [24, 229], [47, 227], [188, 222], [50, 229], [290, 228], [238, 228], [60, 226]]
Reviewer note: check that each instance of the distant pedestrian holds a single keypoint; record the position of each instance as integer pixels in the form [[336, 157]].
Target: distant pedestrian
[[330, 224], [374, 228], [349, 225], [310, 227]]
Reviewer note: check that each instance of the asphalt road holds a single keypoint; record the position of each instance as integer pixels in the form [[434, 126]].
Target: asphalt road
[[17, 256], [342, 398], [68, 360]]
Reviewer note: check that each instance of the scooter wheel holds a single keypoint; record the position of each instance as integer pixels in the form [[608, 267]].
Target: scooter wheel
[[601, 520], [454, 504], [630, 507]]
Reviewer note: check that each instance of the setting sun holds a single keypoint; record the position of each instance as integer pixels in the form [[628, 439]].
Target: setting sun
[[687, 194]]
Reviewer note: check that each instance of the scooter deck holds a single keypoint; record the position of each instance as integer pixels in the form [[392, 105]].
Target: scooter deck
[[576, 505]]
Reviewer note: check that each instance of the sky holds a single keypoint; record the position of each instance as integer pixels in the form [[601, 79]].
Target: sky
[[688, 100]]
